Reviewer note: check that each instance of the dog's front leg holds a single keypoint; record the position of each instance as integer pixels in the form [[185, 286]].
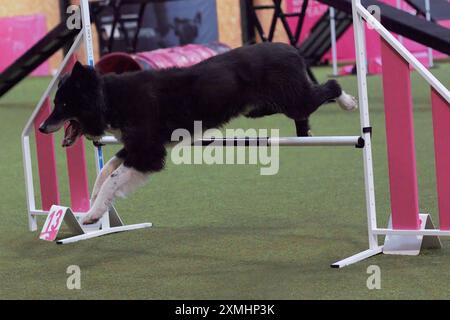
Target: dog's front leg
[[120, 183], [107, 170]]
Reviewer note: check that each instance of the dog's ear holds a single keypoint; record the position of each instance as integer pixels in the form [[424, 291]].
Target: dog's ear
[[78, 70]]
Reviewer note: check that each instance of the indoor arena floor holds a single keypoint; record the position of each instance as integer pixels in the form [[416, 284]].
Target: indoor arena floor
[[225, 231]]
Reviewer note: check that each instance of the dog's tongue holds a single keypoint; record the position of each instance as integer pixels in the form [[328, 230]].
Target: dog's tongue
[[71, 133]]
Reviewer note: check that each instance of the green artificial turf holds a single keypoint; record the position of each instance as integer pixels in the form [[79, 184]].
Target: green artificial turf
[[225, 231]]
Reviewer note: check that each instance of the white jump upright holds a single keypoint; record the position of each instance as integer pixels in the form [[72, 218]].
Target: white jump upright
[[408, 230], [334, 58], [76, 165]]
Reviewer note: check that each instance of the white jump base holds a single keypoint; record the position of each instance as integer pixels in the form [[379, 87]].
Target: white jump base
[[104, 232]]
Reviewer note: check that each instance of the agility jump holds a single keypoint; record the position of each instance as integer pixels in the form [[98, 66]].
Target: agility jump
[[76, 165], [408, 228]]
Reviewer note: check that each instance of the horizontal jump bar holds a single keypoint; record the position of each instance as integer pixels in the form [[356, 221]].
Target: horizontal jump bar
[[354, 141], [420, 232]]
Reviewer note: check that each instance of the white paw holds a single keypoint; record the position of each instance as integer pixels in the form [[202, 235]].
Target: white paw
[[91, 218], [347, 102]]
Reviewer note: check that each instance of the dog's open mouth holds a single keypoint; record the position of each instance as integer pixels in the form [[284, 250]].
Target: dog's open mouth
[[71, 133]]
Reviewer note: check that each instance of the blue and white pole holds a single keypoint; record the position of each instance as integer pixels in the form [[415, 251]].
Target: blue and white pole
[[428, 17], [89, 48]]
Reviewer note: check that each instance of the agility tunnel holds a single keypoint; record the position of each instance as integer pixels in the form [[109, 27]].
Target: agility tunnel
[[180, 57]]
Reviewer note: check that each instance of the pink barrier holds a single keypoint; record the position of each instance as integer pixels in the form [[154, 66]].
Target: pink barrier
[[17, 35], [45, 148], [180, 57], [400, 139], [77, 170], [78, 178], [441, 124]]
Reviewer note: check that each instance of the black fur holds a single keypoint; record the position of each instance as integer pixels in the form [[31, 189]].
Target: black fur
[[147, 106]]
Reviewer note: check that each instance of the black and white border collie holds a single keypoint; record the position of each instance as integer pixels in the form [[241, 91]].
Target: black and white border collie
[[143, 108]]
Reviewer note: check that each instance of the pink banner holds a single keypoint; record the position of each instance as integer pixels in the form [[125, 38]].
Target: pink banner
[[17, 35]]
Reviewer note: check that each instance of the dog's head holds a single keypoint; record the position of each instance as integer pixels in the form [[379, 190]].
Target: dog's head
[[79, 103]]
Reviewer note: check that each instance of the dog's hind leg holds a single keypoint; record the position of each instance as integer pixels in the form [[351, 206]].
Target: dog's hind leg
[[331, 90], [107, 170], [318, 95], [347, 102], [120, 183]]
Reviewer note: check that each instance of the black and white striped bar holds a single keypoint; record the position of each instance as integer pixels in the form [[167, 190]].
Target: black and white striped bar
[[353, 141]]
